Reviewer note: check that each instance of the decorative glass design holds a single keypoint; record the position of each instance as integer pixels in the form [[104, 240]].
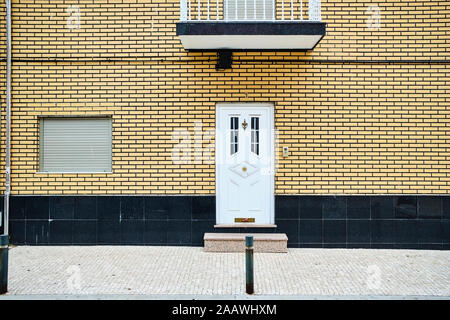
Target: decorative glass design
[[255, 135], [234, 134]]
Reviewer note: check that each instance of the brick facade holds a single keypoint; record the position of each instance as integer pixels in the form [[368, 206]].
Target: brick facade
[[366, 112]]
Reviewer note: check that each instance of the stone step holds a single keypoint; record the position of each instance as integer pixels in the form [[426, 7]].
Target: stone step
[[235, 242]]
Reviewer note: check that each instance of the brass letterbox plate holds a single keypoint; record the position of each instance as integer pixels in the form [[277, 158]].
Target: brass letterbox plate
[[244, 220]]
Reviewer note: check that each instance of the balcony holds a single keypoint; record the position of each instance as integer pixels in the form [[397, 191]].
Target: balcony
[[250, 25]]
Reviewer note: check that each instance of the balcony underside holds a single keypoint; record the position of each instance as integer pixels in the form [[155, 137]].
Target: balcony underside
[[252, 36]]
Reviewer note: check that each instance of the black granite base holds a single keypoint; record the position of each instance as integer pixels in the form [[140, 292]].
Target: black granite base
[[412, 222]]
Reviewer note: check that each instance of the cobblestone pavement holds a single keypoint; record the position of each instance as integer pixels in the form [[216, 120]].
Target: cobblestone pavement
[[188, 270]]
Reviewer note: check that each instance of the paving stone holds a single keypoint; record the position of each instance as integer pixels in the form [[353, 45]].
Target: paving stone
[[190, 270]]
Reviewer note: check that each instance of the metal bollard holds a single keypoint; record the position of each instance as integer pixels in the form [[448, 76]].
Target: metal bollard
[[3, 263], [249, 288]]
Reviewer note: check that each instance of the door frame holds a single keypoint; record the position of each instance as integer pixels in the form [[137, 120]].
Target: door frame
[[271, 109]]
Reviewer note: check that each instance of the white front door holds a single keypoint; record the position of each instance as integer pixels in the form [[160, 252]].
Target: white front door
[[244, 164]]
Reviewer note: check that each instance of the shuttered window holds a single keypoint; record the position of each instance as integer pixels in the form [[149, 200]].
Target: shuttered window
[[256, 9], [75, 144]]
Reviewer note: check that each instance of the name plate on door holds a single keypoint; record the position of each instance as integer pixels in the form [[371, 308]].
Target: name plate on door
[[244, 220]]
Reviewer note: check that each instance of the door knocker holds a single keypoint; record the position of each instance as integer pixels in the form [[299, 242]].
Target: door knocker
[[244, 124]]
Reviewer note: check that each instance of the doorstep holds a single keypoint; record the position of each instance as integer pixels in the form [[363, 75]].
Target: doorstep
[[235, 242]]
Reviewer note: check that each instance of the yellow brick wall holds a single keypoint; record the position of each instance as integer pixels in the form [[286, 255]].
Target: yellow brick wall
[[354, 125]]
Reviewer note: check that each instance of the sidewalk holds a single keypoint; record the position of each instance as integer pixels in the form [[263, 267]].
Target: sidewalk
[[188, 272]]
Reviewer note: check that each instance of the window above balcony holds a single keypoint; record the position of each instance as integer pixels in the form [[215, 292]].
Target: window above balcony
[[250, 24]]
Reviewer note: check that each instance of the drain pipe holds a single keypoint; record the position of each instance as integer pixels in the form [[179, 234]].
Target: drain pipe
[[8, 119], [4, 239]]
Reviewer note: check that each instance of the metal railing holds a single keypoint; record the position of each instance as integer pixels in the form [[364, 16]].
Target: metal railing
[[250, 10]]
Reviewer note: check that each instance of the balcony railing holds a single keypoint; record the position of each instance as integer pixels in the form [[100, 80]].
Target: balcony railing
[[250, 10]]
